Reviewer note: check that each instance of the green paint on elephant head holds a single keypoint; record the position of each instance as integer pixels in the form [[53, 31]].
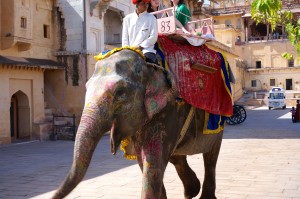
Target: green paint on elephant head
[[153, 106], [158, 94]]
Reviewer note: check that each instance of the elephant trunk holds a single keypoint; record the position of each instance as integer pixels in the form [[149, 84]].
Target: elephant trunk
[[88, 135]]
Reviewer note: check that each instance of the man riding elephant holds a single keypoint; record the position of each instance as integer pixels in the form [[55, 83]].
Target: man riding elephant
[[140, 30]]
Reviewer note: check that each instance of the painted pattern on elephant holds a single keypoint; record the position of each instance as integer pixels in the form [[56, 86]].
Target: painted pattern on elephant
[[135, 101]]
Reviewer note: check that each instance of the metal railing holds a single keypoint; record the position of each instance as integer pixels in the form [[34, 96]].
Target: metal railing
[[62, 124], [260, 39], [166, 23]]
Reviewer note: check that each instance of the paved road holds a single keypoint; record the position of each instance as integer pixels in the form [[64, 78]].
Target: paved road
[[259, 159]]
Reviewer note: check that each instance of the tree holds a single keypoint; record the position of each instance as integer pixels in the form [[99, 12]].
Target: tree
[[271, 12]]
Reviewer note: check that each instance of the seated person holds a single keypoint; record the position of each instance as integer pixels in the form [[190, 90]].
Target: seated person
[[140, 30], [183, 16], [155, 5]]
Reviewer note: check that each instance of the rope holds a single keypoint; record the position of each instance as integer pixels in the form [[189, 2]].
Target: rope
[[185, 126], [157, 66], [166, 74]]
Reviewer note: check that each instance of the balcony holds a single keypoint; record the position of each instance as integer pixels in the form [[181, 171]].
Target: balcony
[[9, 41], [262, 39], [16, 25], [227, 26], [230, 10]]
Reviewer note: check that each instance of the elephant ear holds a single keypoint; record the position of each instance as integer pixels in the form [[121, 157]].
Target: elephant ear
[[158, 93]]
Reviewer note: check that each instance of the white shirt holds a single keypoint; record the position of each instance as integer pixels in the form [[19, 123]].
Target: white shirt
[[140, 30]]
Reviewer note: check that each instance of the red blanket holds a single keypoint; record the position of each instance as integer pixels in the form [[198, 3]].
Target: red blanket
[[203, 90]]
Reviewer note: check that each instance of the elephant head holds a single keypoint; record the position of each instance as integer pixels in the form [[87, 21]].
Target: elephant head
[[121, 96]]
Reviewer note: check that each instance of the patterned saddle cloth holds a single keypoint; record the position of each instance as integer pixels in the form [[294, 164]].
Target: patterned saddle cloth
[[208, 91]]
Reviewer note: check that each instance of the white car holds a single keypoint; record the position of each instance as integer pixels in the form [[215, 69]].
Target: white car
[[277, 98]]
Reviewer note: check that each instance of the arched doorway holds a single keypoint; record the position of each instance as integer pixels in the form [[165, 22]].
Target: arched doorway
[[19, 117], [113, 27], [13, 117]]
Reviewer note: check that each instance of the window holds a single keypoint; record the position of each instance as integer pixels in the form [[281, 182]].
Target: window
[[46, 31], [238, 24], [276, 96], [227, 23], [291, 63], [258, 64], [253, 83], [272, 82], [23, 22]]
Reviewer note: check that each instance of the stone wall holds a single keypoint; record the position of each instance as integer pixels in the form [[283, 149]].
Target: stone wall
[[31, 84], [273, 66]]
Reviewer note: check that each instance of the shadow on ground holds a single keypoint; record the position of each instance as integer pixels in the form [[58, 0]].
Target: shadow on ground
[[33, 169], [42, 166]]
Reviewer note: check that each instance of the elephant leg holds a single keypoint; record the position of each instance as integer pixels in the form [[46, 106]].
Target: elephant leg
[[153, 164], [188, 177], [210, 162], [163, 191]]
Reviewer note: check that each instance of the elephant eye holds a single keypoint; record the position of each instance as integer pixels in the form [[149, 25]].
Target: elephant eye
[[120, 93]]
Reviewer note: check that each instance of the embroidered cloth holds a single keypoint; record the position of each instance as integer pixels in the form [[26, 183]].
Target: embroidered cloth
[[208, 91]]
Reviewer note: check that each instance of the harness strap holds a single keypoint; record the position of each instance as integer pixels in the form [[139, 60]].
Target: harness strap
[[186, 125]]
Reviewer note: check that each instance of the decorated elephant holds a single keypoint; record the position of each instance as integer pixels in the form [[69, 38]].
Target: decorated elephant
[[139, 103]]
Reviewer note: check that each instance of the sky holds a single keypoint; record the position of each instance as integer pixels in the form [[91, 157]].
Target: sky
[[206, 2]]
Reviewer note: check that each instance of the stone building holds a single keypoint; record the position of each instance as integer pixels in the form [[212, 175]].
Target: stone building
[[257, 45], [27, 43], [89, 27], [46, 57]]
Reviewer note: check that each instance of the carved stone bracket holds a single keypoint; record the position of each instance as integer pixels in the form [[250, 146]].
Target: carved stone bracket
[[102, 8], [93, 5], [101, 4]]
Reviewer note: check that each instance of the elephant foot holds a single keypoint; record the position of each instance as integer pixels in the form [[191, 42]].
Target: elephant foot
[[207, 197], [192, 188], [188, 177]]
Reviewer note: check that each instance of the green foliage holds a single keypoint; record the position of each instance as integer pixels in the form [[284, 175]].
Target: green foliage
[[266, 7], [270, 12], [287, 56]]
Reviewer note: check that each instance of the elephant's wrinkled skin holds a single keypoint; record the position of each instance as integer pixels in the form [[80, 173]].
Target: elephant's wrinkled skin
[[115, 100]]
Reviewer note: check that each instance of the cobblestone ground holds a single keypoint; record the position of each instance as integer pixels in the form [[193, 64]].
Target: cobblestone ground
[[259, 159]]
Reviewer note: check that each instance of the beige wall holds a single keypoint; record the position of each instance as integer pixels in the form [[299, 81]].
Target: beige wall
[[31, 84], [228, 28], [269, 53], [62, 97], [28, 42], [263, 79], [227, 4], [274, 66]]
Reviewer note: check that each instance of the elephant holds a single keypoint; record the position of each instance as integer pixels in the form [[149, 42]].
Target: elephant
[[119, 99]]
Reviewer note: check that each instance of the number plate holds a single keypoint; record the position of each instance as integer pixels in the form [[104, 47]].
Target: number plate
[[166, 25]]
